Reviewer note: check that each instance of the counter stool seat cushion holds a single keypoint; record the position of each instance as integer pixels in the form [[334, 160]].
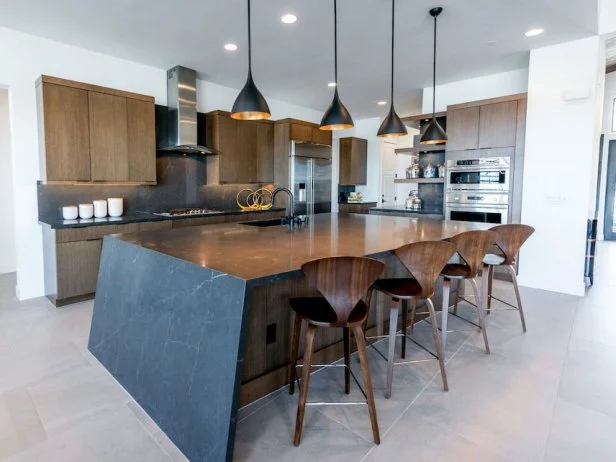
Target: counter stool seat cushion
[[492, 259], [457, 271], [398, 288], [318, 311]]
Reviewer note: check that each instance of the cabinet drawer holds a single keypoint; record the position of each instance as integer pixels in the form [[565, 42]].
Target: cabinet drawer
[[155, 225], [77, 267], [93, 232]]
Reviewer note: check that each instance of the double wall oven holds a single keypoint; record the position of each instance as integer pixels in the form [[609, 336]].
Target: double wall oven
[[478, 190]]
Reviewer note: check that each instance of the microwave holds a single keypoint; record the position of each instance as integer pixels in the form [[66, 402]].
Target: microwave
[[488, 174]]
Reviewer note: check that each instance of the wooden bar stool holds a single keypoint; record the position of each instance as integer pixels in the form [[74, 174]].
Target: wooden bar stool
[[425, 261], [343, 282], [472, 247], [509, 239]]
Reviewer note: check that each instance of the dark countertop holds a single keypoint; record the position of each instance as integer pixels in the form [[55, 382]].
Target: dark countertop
[[138, 217], [403, 209], [260, 254]]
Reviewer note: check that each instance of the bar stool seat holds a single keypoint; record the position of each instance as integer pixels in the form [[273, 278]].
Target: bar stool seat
[[492, 259], [318, 311], [403, 288], [457, 271]]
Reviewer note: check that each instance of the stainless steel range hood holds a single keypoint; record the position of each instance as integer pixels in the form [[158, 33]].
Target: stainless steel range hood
[[182, 113]]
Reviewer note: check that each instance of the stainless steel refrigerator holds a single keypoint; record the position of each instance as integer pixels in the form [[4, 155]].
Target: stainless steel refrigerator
[[311, 178]]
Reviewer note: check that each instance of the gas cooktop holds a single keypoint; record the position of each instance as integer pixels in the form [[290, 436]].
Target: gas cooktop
[[187, 212]]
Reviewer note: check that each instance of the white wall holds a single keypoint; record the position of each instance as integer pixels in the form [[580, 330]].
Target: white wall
[[559, 163], [608, 103], [23, 62], [488, 86], [607, 16], [8, 262]]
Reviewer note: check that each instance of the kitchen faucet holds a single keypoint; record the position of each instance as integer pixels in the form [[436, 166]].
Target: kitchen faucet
[[290, 216]]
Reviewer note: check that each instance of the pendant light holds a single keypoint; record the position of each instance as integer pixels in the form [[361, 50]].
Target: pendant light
[[337, 116], [392, 126], [250, 103], [434, 133]]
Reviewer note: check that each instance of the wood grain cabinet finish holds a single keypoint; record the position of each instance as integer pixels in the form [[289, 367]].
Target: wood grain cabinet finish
[[246, 154], [77, 267], [323, 137], [353, 161], [65, 132], [463, 129], [498, 125], [300, 132], [363, 208], [265, 152], [95, 134], [141, 141], [108, 137]]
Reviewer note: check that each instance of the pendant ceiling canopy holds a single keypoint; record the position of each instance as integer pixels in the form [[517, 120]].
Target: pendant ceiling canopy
[[434, 133], [392, 126], [250, 103], [336, 117]]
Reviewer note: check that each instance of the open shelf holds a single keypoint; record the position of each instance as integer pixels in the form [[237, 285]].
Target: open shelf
[[420, 180], [421, 149]]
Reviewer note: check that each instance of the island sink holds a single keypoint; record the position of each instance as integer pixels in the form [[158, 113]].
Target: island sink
[[268, 223]]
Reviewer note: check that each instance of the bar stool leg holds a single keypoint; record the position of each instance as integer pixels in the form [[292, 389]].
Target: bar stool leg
[[393, 330], [490, 283], [363, 358], [445, 311], [303, 394], [347, 360], [485, 288], [413, 311], [438, 344], [455, 305], [405, 323], [297, 329], [517, 295], [480, 313]]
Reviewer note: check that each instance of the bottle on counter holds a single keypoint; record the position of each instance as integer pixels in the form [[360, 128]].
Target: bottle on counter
[[413, 202]]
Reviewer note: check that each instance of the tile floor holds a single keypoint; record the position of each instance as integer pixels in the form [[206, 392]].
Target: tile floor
[[547, 395]]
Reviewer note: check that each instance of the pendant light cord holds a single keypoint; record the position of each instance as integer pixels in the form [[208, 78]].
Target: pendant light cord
[[249, 42], [336, 44], [434, 73], [393, 9]]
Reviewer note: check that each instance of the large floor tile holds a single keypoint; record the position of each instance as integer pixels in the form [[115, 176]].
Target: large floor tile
[[580, 434], [20, 426]]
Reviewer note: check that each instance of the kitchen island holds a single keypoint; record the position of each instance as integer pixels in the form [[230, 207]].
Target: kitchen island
[[192, 322]]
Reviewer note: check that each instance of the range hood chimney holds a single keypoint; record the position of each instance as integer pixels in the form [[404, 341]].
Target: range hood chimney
[[182, 116]]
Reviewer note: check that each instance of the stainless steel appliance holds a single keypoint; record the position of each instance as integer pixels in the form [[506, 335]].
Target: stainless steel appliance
[[310, 177], [478, 190], [187, 212]]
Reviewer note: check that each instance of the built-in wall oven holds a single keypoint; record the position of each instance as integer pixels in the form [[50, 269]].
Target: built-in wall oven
[[478, 190]]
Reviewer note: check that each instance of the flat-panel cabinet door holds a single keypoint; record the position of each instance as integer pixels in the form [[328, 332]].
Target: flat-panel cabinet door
[[301, 132], [265, 152], [463, 129], [141, 141], [227, 149], [77, 267], [108, 137], [246, 171], [498, 125], [323, 137], [65, 127]]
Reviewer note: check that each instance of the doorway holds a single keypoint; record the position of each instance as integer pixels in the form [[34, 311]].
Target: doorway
[[609, 226], [388, 175], [8, 263]]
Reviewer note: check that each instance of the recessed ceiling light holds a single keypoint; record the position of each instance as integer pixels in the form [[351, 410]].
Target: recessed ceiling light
[[382, 103], [533, 32], [231, 47], [289, 18], [331, 84], [492, 43]]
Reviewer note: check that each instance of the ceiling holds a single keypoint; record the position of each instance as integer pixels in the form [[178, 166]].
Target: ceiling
[[294, 62]]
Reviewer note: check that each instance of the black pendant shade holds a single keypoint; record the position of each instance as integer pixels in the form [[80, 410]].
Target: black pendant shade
[[336, 117], [434, 133], [392, 126], [250, 103]]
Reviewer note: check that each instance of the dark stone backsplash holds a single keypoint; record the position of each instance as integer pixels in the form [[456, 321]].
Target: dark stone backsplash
[[181, 183]]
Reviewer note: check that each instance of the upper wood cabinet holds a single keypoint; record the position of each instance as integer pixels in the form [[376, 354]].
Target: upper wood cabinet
[[498, 124], [90, 133], [64, 133], [484, 124], [300, 130], [353, 161], [244, 149]]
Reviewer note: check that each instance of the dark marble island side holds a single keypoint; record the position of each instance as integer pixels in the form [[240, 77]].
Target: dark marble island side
[[183, 318]]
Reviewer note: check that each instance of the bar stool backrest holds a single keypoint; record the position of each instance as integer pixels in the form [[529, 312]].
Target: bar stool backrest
[[425, 261], [510, 238], [473, 246], [343, 281]]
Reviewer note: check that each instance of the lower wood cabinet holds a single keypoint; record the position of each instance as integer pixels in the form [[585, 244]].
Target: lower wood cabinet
[[356, 208], [77, 267]]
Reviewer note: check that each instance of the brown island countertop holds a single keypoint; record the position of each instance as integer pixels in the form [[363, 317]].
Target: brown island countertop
[[253, 253]]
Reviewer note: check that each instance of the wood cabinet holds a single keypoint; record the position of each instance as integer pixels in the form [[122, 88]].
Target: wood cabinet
[[300, 130], [353, 161], [362, 208], [485, 124], [245, 149], [90, 133]]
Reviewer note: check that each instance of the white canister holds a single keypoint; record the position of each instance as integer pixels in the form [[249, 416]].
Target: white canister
[[70, 212], [86, 210], [115, 206], [100, 209]]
